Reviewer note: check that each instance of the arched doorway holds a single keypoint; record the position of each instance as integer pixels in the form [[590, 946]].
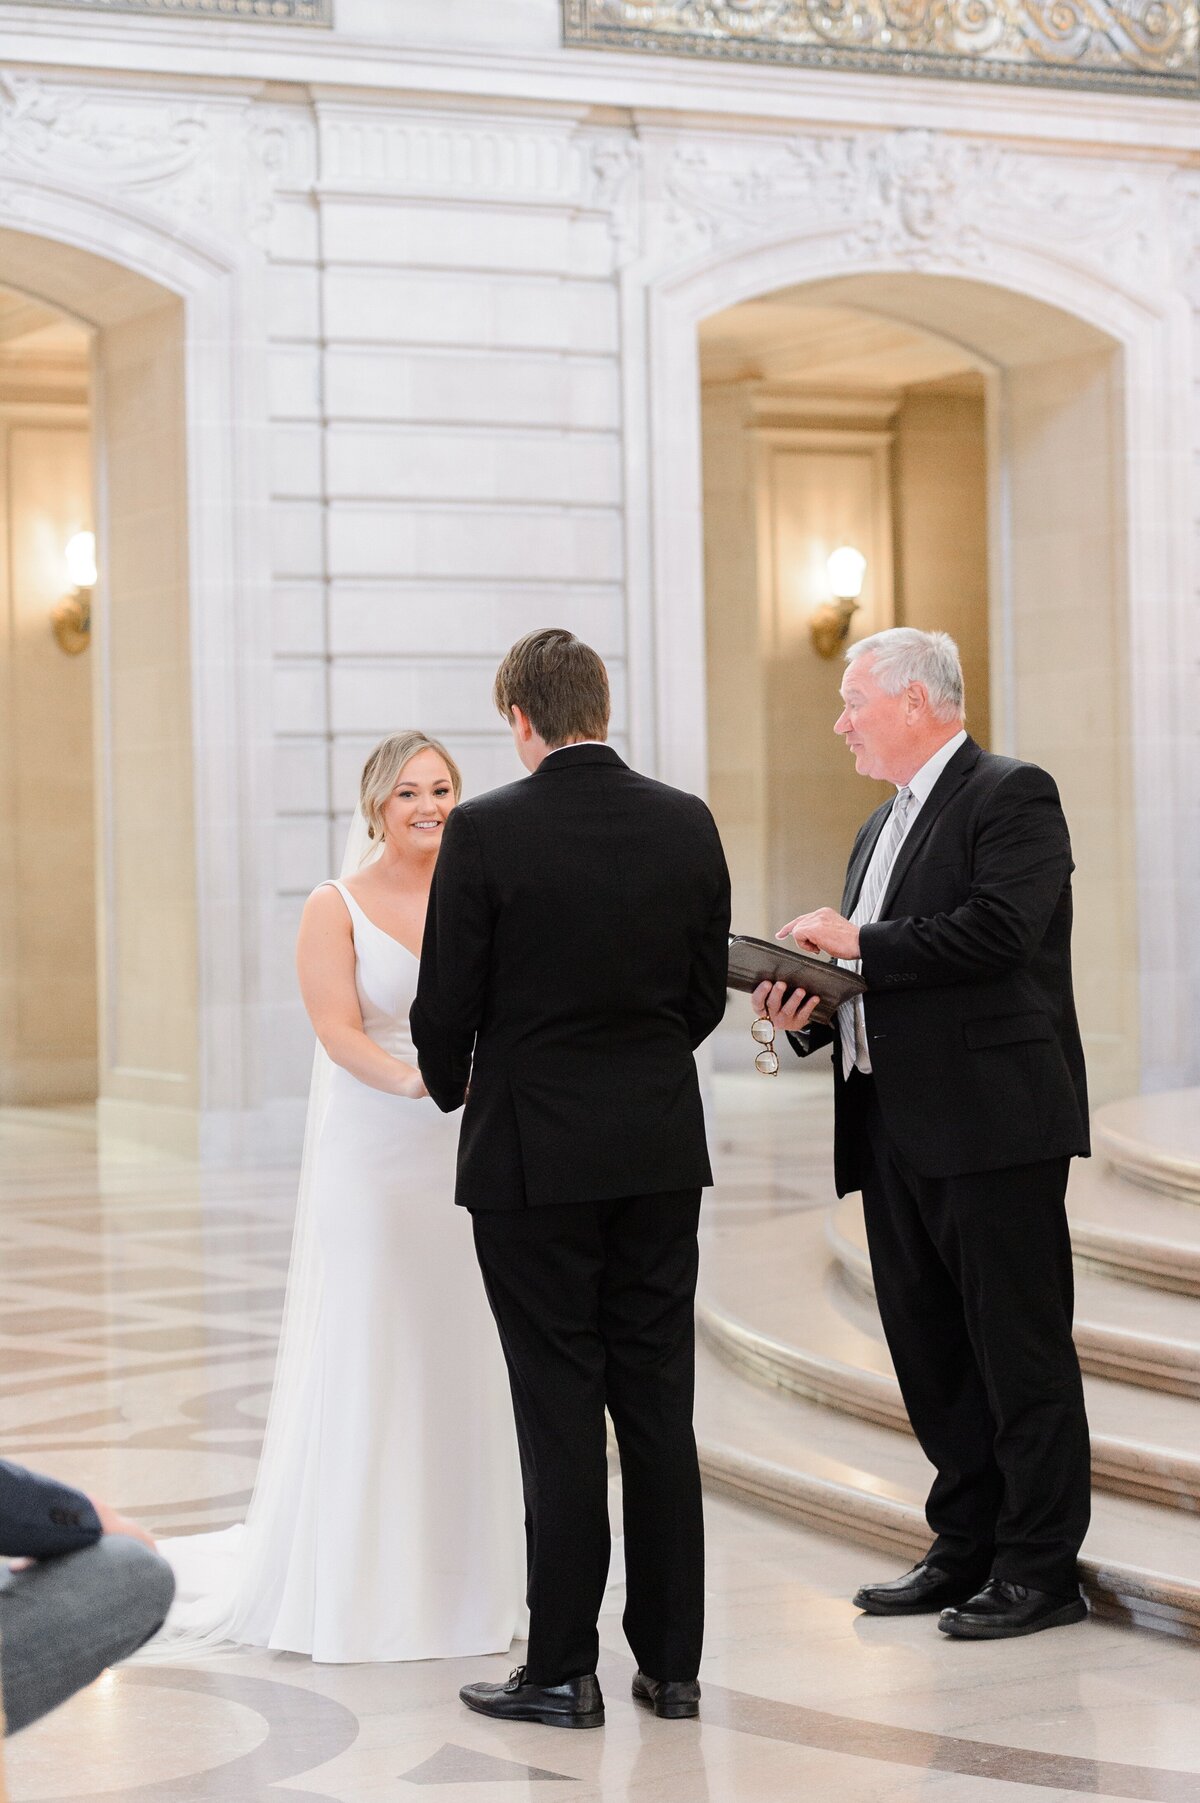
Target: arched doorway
[[824, 428], [1070, 409], [178, 646], [48, 963], [131, 747]]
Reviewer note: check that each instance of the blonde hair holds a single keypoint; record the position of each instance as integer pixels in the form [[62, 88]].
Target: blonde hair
[[382, 771]]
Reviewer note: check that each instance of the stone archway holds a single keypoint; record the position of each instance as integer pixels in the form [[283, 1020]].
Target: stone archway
[[180, 650], [1087, 392]]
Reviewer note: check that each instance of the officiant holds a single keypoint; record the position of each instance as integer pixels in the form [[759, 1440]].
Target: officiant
[[960, 1102]]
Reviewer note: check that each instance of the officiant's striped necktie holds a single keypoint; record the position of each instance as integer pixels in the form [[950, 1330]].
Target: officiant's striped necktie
[[852, 1024]]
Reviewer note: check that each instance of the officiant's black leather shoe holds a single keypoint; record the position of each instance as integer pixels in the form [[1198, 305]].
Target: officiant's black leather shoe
[[675, 1699], [577, 1704], [1002, 1610], [922, 1591]]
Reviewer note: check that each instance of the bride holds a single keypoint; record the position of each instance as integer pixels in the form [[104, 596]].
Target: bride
[[386, 1521]]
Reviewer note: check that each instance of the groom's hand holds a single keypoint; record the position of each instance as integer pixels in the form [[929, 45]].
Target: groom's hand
[[824, 931], [791, 1016]]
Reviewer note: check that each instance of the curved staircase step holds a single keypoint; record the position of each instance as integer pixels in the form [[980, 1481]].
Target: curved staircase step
[[1154, 1141], [1131, 1334], [1133, 1233], [773, 1303], [866, 1484]]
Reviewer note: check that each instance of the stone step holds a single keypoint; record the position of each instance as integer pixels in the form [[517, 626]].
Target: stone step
[[1130, 1232], [1123, 1331], [1153, 1141], [864, 1483], [774, 1302]]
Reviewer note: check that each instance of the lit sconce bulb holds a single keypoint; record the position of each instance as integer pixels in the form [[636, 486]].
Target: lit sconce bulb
[[846, 568], [81, 560], [829, 627], [71, 620]]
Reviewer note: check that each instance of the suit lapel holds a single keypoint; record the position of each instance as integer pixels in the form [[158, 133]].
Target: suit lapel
[[948, 783], [860, 862]]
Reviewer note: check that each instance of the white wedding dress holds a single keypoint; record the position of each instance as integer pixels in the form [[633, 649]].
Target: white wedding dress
[[387, 1520]]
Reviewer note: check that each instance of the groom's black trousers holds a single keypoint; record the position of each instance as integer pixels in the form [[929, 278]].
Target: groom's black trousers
[[594, 1303]]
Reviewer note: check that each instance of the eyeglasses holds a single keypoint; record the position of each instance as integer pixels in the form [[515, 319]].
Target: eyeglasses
[[762, 1031]]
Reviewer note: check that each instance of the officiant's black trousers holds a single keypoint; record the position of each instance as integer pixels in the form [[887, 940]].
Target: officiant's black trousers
[[975, 1288], [594, 1303]]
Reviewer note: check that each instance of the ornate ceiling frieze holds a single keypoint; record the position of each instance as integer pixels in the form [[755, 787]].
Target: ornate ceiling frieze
[[250, 12], [1149, 46]]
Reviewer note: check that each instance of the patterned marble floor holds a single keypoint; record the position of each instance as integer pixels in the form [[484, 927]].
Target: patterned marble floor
[[138, 1301]]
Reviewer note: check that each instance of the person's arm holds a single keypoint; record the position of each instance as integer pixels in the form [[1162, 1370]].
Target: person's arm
[[1021, 859], [708, 989], [41, 1518], [812, 1039], [325, 967], [455, 962]]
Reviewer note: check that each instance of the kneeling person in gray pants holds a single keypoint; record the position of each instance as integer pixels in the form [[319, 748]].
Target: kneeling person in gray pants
[[87, 1589]]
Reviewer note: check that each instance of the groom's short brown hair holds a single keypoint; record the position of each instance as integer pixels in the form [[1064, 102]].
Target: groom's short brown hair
[[559, 684]]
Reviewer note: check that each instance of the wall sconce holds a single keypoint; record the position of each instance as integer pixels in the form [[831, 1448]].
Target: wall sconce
[[830, 624], [72, 618]]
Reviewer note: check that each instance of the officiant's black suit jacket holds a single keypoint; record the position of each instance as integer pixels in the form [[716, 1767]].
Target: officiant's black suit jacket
[[574, 957], [970, 1014]]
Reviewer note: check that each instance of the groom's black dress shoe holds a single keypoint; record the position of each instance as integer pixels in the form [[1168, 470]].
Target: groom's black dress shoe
[[675, 1699], [922, 1591], [576, 1704], [1002, 1610]]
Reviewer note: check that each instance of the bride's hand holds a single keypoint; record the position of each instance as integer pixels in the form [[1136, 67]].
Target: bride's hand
[[411, 1083]]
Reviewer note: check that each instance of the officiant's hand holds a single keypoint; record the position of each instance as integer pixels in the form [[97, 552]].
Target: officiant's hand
[[791, 1016], [824, 931]]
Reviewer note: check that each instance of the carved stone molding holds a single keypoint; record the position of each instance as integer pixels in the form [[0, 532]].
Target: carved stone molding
[[615, 168], [1185, 232], [368, 150], [251, 12], [160, 148], [914, 198], [221, 160], [1152, 46], [484, 161]]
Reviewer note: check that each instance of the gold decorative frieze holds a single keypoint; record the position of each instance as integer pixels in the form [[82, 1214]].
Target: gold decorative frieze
[[1151, 46], [249, 12]]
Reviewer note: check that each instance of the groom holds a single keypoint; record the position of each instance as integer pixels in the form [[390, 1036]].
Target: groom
[[574, 958]]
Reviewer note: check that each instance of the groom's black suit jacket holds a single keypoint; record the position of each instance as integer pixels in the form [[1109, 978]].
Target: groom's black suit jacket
[[574, 957], [970, 1015]]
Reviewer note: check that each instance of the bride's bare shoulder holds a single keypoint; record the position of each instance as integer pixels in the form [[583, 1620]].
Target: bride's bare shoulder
[[325, 909]]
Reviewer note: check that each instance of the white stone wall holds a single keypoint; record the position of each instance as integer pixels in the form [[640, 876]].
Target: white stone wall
[[446, 454]]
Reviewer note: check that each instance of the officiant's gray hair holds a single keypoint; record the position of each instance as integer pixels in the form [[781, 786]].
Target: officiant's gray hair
[[381, 772], [903, 654]]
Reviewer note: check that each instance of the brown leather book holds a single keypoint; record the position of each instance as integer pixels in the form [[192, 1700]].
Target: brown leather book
[[755, 961]]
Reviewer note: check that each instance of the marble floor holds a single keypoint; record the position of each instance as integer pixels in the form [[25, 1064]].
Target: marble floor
[[138, 1300]]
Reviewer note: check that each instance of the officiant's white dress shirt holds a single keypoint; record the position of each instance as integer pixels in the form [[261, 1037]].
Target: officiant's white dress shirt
[[921, 787]]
